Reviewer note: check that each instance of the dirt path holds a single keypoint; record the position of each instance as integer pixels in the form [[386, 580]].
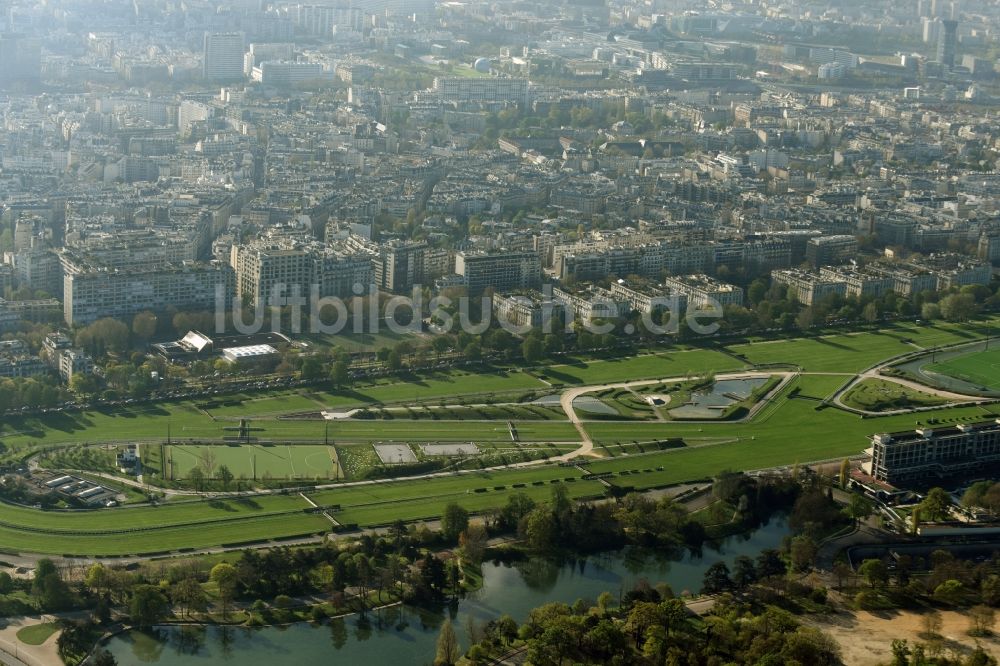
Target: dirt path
[[865, 638]]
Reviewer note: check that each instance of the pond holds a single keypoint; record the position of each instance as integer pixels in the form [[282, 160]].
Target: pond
[[711, 404], [407, 635]]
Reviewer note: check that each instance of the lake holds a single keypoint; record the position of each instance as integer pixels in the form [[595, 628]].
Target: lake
[[407, 635]]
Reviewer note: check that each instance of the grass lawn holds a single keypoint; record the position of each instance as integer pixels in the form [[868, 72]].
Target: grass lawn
[[160, 540], [878, 395], [853, 352], [36, 634], [981, 368], [788, 430], [835, 353], [253, 461], [647, 366]]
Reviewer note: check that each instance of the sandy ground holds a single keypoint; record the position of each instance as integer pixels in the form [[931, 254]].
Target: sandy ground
[[45, 654], [865, 638]]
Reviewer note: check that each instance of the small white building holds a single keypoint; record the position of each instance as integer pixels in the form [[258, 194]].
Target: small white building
[[250, 353]]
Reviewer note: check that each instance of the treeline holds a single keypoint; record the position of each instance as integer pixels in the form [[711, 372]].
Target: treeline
[[653, 627], [650, 627], [31, 392]]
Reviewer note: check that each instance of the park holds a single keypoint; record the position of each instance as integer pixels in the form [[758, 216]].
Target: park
[[312, 465]]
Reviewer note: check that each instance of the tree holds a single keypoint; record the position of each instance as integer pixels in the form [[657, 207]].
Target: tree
[[340, 374], [859, 508], [52, 591], [225, 475], [716, 579], [769, 563], [147, 606], [472, 543], [757, 291], [196, 478], [803, 552], [561, 502], [507, 628], [225, 577], [931, 623], [539, 529], [981, 620], [454, 521], [96, 579], [102, 336], [950, 592], [532, 349], [83, 383], [875, 572], [930, 311], [870, 313], [208, 463], [958, 307], [744, 572], [447, 651], [553, 344], [144, 326], [311, 368], [990, 590], [845, 469], [804, 320], [936, 506], [189, 595], [395, 360]]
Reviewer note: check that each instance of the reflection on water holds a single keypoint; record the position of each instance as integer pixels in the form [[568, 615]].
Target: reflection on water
[[386, 635]]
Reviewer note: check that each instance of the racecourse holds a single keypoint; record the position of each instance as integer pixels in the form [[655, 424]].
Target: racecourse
[[797, 425]]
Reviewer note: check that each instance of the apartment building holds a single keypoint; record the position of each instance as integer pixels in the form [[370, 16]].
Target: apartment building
[[288, 267], [592, 303], [486, 89], [528, 308], [809, 288], [647, 299], [702, 290], [91, 293], [503, 271], [831, 250], [222, 56], [859, 283]]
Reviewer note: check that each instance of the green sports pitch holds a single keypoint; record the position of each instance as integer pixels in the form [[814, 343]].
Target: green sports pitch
[[248, 461], [981, 368]]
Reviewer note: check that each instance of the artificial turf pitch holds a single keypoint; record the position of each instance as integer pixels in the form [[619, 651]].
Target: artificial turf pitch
[[981, 368], [252, 461]]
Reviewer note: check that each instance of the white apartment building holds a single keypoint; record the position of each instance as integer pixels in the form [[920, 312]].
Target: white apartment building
[[222, 56], [702, 290]]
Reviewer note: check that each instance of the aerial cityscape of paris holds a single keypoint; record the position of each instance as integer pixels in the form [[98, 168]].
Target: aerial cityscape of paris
[[499, 333]]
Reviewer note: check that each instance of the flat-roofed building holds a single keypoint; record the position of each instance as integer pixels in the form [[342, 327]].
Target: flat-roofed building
[[831, 250], [503, 271], [647, 299], [927, 454], [250, 353], [530, 308], [93, 292], [592, 303], [702, 290], [485, 89], [809, 288], [859, 283]]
